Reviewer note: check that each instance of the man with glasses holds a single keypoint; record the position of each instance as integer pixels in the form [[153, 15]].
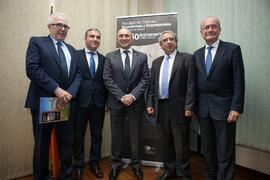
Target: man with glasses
[[221, 88], [171, 98], [52, 67]]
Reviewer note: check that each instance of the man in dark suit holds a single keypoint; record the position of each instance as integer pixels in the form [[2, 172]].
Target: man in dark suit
[[52, 67], [221, 88], [91, 101], [171, 98], [126, 77]]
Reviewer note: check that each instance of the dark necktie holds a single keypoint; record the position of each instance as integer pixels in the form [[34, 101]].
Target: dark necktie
[[92, 64], [165, 74], [62, 59], [208, 61], [127, 65]]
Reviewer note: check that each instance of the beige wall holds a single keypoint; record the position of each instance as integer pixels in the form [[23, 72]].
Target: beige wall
[[21, 19]]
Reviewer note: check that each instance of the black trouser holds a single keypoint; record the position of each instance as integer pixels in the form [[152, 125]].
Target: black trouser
[[95, 116], [174, 134], [218, 143], [42, 136]]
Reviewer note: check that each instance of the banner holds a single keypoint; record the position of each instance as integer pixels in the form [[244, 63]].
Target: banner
[[146, 29]]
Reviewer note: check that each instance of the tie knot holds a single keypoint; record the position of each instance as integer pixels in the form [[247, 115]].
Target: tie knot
[[126, 52], [59, 44], [209, 48], [91, 53], [168, 57]]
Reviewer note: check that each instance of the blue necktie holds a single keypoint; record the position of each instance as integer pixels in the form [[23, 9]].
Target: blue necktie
[[62, 59], [165, 73], [92, 64], [208, 61]]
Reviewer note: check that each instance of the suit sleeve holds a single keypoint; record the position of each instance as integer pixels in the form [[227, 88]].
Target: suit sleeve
[[191, 93], [74, 86], [109, 82], [142, 85], [151, 89], [238, 81], [34, 70]]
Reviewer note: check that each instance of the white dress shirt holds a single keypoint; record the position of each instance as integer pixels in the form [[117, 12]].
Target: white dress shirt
[[65, 50], [171, 61], [213, 50], [88, 55], [123, 56]]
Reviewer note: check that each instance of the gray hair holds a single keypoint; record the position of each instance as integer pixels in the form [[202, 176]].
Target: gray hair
[[210, 17], [164, 32], [91, 29], [52, 16]]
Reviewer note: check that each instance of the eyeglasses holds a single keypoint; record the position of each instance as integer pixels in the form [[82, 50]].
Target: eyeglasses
[[167, 39], [212, 26], [60, 26]]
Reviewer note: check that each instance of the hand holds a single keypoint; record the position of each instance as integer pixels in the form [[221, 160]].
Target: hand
[[107, 109], [188, 113], [233, 116], [150, 111], [195, 116], [63, 96], [127, 99]]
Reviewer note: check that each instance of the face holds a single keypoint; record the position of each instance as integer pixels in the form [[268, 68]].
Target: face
[[59, 28], [168, 43], [92, 40], [210, 30], [124, 38]]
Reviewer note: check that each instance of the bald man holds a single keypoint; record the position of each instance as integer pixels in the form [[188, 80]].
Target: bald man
[[126, 77]]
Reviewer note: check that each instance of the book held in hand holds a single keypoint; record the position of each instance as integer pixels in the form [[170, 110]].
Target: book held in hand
[[50, 110]]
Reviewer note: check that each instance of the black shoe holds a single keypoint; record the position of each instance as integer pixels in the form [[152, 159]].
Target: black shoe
[[166, 175], [77, 175], [97, 171], [138, 172], [114, 173]]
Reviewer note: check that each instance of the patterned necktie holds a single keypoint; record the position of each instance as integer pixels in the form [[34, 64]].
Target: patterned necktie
[[165, 74], [62, 59], [92, 64], [127, 64], [208, 61]]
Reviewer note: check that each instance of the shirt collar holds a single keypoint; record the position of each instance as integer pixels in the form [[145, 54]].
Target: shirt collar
[[122, 50], [55, 41], [172, 55], [215, 44], [87, 51]]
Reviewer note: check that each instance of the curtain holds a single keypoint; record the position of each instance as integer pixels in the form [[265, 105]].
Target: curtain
[[247, 23]]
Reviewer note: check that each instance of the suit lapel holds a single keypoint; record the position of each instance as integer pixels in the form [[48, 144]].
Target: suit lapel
[[135, 59], [118, 58], [159, 62], [218, 57], [202, 60], [99, 68], [52, 49], [177, 60], [72, 61], [85, 66]]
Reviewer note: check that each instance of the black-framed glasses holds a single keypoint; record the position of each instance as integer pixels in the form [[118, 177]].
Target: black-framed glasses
[[60, 26]]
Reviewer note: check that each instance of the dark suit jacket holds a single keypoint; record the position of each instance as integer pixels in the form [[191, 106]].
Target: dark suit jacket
[[91, 88], [223, 89], [182, 85], [116, 83], [44, 70]]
